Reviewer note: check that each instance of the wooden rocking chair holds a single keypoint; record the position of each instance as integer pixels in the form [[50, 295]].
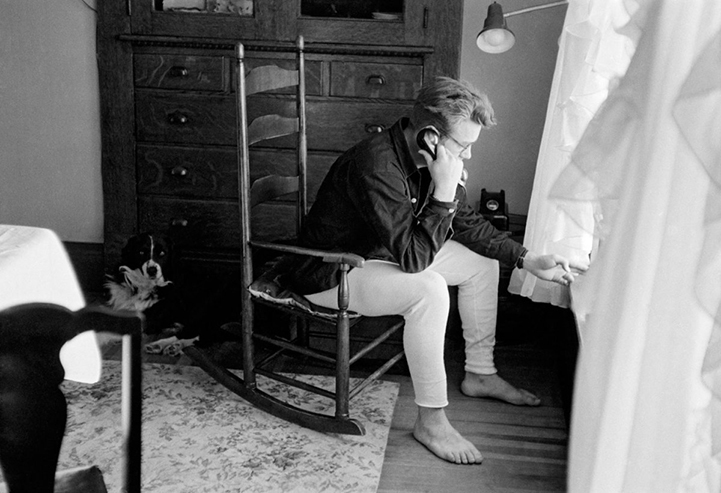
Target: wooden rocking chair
[[260, 192]]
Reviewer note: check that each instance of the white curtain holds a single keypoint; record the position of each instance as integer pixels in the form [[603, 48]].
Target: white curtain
[[647, 408], [595, 48]]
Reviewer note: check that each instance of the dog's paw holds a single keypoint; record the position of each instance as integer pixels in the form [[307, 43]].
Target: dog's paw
[[160, 346]]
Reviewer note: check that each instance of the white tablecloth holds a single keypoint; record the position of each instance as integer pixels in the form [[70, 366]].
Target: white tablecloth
[[34, 267]]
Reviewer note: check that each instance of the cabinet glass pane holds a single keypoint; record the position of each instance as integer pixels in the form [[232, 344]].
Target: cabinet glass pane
[[386, 10], [231, 7]]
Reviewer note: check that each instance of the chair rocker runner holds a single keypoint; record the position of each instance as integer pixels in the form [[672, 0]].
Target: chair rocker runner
[[262, 191]]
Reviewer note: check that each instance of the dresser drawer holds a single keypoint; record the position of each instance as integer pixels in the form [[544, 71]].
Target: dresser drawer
[[192, 223], [191, 119], [185, 118], [375, 80], [187, 171], [203, 73], [211, 225], [339, 125], [212, 172]]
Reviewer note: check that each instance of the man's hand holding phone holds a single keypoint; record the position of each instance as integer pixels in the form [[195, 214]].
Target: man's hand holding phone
[[446, 171]]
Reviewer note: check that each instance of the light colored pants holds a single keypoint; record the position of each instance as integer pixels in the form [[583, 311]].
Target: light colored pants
[[382, 288]]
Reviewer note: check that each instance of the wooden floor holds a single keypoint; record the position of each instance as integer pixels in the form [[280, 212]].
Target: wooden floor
[[524, 448]]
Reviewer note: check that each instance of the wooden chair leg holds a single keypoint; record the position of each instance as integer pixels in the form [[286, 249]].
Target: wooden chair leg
[[132, 410], [342, 375]]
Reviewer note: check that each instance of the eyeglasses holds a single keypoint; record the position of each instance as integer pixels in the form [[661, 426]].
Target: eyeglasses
[[463, 148]]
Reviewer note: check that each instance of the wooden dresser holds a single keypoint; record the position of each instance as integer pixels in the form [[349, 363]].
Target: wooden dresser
[[166, 72]]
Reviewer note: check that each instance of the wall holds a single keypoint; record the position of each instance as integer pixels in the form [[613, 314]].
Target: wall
[[49, 118], [49, 121], [518, 83]]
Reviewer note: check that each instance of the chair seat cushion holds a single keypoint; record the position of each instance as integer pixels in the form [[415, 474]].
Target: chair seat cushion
[[289, 298]]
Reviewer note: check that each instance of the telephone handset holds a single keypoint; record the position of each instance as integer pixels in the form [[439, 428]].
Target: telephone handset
[[429, 136], [427, 139]]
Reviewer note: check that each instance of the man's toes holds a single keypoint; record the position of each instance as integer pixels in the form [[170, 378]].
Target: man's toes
[[529, 398], [470, 458]]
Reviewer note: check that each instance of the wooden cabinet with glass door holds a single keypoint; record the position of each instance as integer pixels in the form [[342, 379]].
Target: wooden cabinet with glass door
[[374, 22]]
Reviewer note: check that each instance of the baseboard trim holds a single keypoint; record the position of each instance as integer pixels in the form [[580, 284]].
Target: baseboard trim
[[87, 259]]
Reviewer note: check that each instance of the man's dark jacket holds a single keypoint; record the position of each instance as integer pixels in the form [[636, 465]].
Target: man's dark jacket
[[375, 202]]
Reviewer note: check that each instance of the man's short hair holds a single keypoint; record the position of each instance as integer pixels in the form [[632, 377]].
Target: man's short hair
[[444, 102]]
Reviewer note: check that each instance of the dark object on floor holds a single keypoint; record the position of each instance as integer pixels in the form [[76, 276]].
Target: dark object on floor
[[263, 193], [77, 480], [33, 410]]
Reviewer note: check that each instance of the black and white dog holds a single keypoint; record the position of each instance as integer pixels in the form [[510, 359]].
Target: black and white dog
[[140, 280], [140, 284]]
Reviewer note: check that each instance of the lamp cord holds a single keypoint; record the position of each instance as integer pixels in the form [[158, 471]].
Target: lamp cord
[[537, 7]]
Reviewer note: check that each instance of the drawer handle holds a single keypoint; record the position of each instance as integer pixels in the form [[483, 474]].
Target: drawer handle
[[177, 119], [376, 80], [374, 128], [179, 171], [178, 72], [178, 223]]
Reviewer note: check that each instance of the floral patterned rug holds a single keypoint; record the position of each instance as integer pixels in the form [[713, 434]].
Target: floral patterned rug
[[199, 437]]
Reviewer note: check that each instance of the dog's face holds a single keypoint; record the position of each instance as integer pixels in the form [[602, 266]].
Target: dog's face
[[146, 254]]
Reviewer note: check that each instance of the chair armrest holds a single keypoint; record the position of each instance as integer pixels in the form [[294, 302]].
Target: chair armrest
[[331, 257], [104, 319]]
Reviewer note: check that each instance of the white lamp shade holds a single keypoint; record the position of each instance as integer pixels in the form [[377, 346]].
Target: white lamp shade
[[495, 40]]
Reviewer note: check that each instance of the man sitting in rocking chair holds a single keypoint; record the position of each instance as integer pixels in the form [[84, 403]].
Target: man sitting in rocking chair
[[398, 199]]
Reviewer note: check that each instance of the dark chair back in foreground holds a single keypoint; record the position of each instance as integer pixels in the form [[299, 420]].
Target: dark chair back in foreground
[[33, 409]]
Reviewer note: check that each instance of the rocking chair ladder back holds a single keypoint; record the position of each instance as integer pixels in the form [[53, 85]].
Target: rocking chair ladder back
[[261, 79]]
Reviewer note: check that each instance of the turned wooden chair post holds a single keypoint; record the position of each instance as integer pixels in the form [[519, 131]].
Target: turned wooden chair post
[[246, 271], [342, 387]]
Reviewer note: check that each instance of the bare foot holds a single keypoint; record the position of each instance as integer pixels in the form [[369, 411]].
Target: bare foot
[[433, 430], [493, 386]]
